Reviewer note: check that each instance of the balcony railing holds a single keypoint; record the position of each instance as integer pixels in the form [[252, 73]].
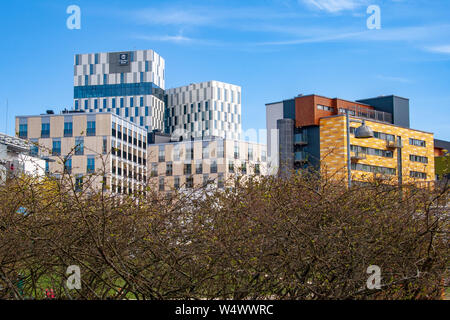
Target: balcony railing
[[300, 156], [394, 144], [369, 114], [356, 156], [301, 139]]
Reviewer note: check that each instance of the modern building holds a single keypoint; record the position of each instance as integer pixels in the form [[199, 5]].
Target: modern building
[[311, 131], [129, 84], [104, 143], [187, 164], [15, 158], [442, 159], [205, 109]]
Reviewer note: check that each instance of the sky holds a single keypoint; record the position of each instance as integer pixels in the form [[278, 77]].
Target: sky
[[273, 49]]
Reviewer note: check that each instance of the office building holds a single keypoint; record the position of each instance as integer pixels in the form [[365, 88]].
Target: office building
[[205, 109], [129, 84], [103, 143], [188, 164], [310, 131]]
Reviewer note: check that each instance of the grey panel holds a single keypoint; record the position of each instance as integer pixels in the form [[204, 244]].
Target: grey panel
[[115, 65]]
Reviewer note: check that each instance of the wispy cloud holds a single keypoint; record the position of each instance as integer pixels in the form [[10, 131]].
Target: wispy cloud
[[334, 5], [439, 49], [393, 79], [166, 38]]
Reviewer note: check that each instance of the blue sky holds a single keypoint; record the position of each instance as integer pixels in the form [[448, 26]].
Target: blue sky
[[274, 49]]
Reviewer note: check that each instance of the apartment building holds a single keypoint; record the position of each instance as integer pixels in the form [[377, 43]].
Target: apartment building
[[15, 158], [188, 164], [129, 84], [205, 109], [102, 143], [312, 131]]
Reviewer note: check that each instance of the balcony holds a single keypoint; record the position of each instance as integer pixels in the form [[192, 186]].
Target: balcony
[[301, 139], [300, 156], [368, 114], [394, 144], [356, 156]]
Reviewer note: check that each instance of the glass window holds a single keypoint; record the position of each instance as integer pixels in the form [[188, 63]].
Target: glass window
[[45, 130], [90, 128], [90, 164], [68, 126], [56, 148], [79, 146], [23, 131]]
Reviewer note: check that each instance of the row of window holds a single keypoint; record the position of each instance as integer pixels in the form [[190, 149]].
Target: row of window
[[207, 152], [114, 90], [131, 138], [417, 175], [90, 167], [420, 159], [128, 174], [372, 151], [106, 105], [374, 169], [417, 142], [190, 182], [128, 156], [221, 94], [325, 108], [199, 169]]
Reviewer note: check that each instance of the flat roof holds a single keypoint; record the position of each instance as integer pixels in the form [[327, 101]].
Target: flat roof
[[318, 95], [372, 120], [383, 96]]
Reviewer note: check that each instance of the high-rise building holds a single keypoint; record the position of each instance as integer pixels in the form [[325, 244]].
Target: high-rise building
[[112, 147], [311, 131], [205, 109], [129, 84]]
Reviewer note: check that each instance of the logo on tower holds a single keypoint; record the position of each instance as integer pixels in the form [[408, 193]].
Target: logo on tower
[[123, 59]]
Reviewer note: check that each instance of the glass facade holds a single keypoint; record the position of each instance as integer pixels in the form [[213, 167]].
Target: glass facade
[[112, 90]]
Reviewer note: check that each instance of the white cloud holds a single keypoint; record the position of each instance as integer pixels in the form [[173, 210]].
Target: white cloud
[[440, 49], [334, 5]]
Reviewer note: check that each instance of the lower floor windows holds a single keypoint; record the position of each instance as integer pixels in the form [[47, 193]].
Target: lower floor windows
[[374, 169], [417, 175]]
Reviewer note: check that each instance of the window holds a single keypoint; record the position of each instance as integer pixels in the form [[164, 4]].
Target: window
[[168, 168], [231, 167], [220, 180], [187, 168], [105, 145], [198, 167], [161, 154], [176, 182], [154, 171], [263, 155], [68, 166], [250, 152], [372, 151], [257, 169], [45, 130], [213, 168], [23, 131], [79, 146], [325, 108], [68, 129], [90, 128], [34, 149], [90, 164], [244, 168], [417, 175], [161, 183], [236, 150], [205, 149], [189, 182], [418, 158], [220, 149], [416, 142], [205, 180], [56, 148], [78, 183]]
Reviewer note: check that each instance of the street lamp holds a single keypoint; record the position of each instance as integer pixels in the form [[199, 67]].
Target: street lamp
[[362, 132]]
